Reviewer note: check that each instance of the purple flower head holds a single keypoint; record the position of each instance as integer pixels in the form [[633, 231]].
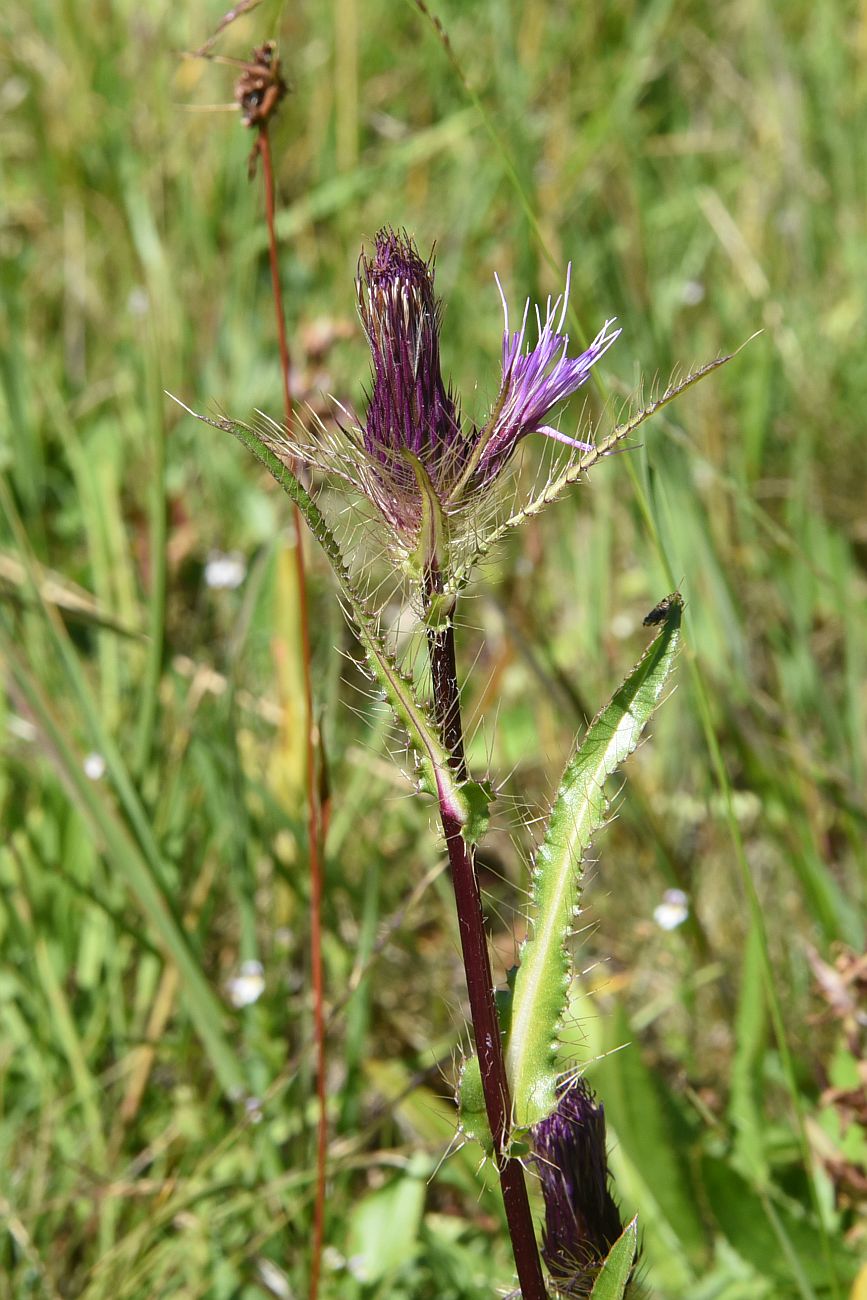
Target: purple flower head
[[413, 440], [536, 379], [410, 408], [582, 1221]]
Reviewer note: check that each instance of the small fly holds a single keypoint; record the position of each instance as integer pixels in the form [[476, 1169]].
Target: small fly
[[660, 612]]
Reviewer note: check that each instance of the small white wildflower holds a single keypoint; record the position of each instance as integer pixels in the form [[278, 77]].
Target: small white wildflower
[[273, 1279], [253, 1107], [622, 626], [138, 303], [703, 475], [20, 727], [248, 985], [357, 1266], [225, 571], [672, 911], [333, 1260], [94, 766], [13, 92], [692, 293]]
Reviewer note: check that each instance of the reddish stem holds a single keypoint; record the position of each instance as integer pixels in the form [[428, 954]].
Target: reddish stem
[[313, 820], [486, 1030], [477, 966]]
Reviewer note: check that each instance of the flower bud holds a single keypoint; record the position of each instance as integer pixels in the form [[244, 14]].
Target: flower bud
[[410, 409], [582, 1220]]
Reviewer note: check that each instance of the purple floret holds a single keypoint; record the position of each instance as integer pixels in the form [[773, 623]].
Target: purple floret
[[536, 379]]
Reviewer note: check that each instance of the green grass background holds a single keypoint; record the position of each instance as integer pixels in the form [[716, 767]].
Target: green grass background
[[704, 167]]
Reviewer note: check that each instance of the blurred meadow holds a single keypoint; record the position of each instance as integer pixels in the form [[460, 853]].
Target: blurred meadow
[[704, 168]]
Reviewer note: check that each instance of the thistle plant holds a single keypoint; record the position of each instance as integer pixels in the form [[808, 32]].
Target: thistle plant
[[437, 484]]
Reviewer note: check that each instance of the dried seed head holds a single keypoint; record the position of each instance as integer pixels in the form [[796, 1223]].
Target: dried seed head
[[260, 86]]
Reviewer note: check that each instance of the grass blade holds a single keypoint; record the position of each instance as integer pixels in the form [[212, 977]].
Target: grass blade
[[125, 856]]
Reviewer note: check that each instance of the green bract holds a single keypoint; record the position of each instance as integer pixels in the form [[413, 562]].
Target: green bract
[[465, 801], [614, 1276]]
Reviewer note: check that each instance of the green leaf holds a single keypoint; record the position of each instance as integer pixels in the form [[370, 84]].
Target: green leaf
[[579, 812], [613, 1277], [471, 1106], [478, 798], [745, 1101], [129, 843], [384, 1228], [471, 1096], [137, 869], [654, 1141], [780, 1242], [430, 553], [473, 1113]]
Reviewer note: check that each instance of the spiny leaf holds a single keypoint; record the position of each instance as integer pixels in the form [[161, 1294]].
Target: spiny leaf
[[478, 797], [471, 1105], [579, 811]]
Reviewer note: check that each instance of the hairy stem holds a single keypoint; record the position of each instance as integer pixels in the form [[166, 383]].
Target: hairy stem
[[477, 965], [313, 812]]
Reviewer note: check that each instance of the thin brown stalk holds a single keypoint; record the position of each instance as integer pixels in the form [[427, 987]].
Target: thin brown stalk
[[313, 811]]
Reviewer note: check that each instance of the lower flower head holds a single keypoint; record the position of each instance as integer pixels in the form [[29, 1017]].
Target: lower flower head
[[582, 1220]]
